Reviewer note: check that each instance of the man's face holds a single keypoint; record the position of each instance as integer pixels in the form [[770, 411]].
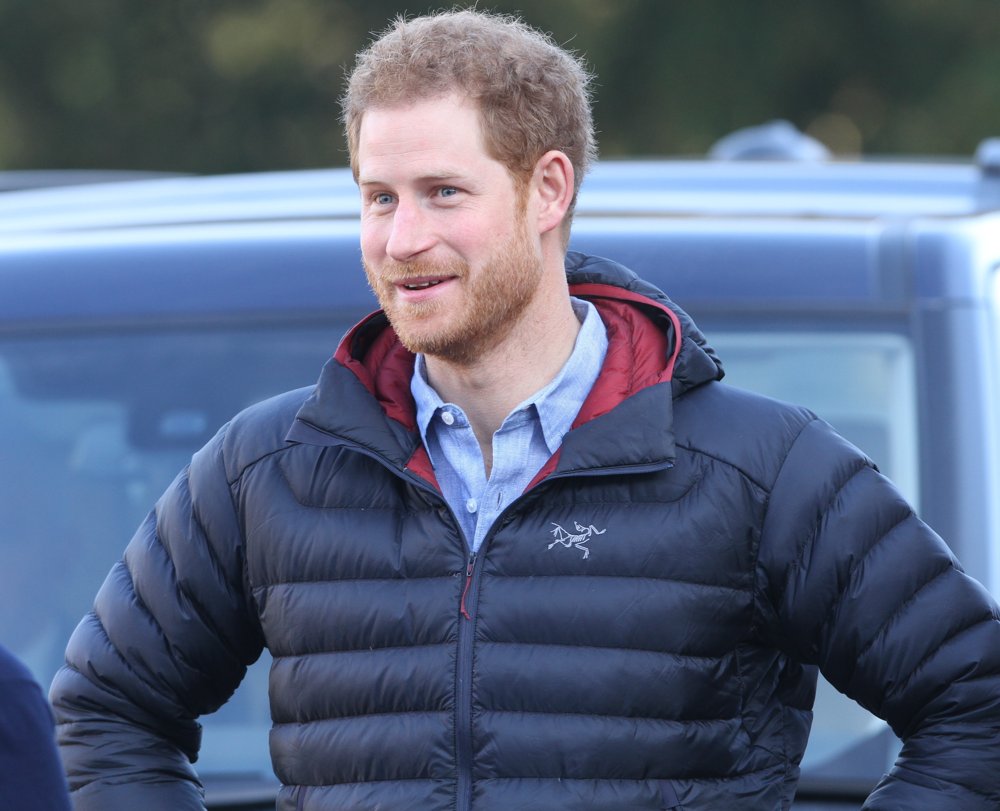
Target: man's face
[[444, 232]]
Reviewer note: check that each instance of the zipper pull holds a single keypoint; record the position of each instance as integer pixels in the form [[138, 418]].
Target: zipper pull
[[468, 582]]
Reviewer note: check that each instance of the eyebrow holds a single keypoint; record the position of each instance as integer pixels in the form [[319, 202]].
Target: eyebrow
[[430, 176]]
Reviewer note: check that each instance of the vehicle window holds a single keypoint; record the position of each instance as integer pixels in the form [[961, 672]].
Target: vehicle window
[[864, 385], [94, 428]]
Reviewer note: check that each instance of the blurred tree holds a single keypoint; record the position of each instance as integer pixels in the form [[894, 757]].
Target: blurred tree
[[184, 85], [861, 75], [235, 85]]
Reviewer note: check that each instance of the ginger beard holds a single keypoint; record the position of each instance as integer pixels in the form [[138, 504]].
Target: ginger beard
[[493, 299]]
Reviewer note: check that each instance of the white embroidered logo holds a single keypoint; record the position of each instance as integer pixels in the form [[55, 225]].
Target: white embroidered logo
[[578, 539]]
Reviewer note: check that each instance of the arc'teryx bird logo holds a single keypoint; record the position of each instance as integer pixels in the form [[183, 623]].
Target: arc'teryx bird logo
[[578, 539]]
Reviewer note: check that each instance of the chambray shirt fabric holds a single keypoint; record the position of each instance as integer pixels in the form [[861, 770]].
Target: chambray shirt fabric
[[525, 440]]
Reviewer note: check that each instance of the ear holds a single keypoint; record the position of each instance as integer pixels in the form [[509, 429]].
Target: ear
[[552, 184]]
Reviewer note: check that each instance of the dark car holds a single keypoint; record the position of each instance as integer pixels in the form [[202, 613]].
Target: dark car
[[136, 318]]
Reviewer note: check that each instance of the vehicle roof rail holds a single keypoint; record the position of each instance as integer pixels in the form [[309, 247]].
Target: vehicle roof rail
[[776, 140]]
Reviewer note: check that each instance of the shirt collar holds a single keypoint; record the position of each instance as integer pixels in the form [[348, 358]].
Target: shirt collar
[[555, 405]]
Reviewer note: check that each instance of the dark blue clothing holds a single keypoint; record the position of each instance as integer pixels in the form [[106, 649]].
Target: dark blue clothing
[[31, 774], [640, 630]]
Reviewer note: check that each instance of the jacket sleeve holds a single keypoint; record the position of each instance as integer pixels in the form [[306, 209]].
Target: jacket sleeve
[[854, 582], [169, 639]]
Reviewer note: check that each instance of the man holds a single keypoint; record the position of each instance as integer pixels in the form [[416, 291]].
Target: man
[[31, 776], [519, 548]]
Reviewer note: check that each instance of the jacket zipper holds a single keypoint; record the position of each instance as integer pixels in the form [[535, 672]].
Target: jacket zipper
[[463, 684], [463, 606]]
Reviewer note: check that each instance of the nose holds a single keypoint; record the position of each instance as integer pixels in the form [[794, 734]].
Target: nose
[[411, 233]]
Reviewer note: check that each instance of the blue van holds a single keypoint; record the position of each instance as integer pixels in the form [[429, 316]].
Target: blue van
[[867, 291]]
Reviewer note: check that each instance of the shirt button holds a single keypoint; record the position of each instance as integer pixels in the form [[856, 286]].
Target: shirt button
[[447, 418], [471, 505]]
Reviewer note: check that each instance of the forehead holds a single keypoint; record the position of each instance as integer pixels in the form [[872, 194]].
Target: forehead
[[432, 134]]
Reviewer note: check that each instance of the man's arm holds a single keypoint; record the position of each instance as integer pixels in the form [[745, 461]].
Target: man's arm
[[168, 639], [853, 581]]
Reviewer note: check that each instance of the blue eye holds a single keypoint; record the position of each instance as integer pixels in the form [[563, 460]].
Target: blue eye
[[448, 191], [383, 198]]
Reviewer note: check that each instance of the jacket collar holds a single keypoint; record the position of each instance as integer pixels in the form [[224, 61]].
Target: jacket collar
[[655, 353]]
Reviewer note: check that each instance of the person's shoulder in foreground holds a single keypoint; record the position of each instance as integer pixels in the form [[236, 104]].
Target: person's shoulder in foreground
[[31, 775]]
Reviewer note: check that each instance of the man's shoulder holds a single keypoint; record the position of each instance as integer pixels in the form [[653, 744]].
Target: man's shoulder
[[746, 430], [259, 430], [277, 410]]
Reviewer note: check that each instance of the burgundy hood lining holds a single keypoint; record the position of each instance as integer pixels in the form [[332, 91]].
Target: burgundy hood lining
[[636, 348], [385, 369]]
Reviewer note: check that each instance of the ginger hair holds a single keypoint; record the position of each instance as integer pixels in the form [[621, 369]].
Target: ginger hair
[[533, 96]]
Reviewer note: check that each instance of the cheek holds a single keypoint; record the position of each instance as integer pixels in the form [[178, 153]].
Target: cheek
[[475, 237], [374, 235]]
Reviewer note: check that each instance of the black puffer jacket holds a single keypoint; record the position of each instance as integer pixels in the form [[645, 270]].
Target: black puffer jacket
[[639, 631]]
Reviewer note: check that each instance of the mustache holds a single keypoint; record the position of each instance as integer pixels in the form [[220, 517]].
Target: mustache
[[392, 270]]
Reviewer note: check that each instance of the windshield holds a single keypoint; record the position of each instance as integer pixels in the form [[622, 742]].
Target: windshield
[[95, 426]]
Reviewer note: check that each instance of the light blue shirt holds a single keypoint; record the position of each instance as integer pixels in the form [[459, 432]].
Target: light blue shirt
[[530, 434]]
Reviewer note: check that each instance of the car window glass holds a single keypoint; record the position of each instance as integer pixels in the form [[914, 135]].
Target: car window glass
[[94, 428]]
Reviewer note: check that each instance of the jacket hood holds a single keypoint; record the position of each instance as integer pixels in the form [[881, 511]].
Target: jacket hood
[[655, 354], [696, 361]]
